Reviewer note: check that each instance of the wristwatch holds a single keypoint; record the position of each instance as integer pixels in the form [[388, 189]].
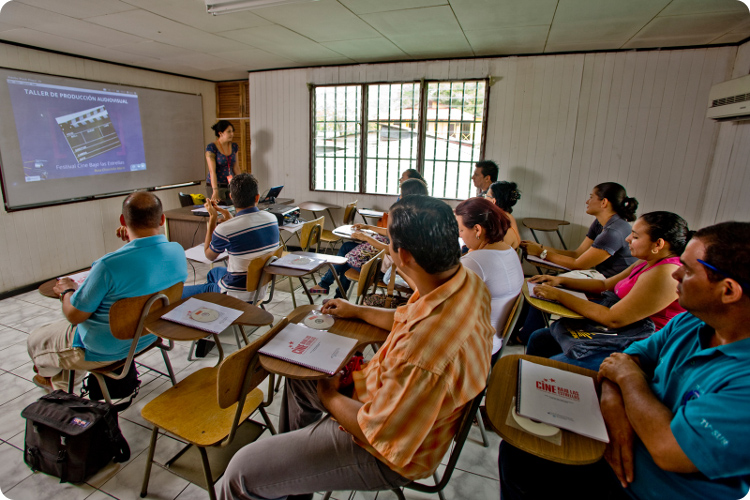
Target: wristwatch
[[62, 295], [543, 255]]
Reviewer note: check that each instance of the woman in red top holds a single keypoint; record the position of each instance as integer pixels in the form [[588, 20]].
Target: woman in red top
[[646, 289]]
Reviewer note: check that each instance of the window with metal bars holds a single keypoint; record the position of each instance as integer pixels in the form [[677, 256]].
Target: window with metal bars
[[434, 127]]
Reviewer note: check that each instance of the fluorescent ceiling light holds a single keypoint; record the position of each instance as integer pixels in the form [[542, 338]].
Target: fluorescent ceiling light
[[219, 7]]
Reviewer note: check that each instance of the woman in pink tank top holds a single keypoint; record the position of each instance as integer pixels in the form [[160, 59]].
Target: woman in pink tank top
[[646, 289]]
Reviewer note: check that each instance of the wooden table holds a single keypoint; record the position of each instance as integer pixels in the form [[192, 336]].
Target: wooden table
[[316, 206], [548, 307], [251, 316], [503, 387], [545, 225], [328, 260], [46, 287], [188, 229], [365, 333]]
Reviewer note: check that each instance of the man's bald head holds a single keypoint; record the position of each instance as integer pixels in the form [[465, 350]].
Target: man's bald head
[[142, 210]]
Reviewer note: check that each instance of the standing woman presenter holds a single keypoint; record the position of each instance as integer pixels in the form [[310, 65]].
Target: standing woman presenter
[[221, 157]]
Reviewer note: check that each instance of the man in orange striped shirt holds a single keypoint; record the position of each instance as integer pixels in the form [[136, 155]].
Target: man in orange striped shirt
[[406, 403]]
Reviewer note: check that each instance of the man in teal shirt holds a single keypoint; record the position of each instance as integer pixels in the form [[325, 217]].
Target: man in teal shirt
[[148, 263], [676, 404]]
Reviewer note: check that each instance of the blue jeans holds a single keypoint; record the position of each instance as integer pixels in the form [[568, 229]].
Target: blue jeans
[[211, 284], [542, 343], [327, 280]]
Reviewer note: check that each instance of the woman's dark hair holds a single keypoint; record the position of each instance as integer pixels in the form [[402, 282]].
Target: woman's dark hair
[[506, 194], [670, 227], [413, 186], [426, 228], [488, 215], [221, 126], [412, 173], [622, 205]]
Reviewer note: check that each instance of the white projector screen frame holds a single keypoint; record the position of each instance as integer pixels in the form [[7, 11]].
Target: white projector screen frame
[[49, 163]]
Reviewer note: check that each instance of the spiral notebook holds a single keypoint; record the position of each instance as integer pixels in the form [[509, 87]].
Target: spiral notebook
[[203, 315], [315, 349]]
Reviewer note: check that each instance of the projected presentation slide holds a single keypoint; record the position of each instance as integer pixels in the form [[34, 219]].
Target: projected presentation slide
[[73, 132]]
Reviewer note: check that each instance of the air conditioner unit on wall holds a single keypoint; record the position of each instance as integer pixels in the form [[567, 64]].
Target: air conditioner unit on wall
[[730, 100]]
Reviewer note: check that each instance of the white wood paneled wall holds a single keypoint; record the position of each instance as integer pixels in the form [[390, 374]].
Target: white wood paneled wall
[[47, 242], [557, 125]]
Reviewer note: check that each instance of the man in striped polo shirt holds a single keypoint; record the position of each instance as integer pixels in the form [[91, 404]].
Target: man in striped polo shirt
[[249, 234]]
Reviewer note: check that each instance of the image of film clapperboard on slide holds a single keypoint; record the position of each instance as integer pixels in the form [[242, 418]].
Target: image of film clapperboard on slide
[[89, 133]]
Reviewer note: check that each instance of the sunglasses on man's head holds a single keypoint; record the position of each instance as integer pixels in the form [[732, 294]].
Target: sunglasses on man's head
[[744, 284]]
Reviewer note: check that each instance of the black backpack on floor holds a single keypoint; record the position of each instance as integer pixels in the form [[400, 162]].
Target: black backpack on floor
[[72, 438]]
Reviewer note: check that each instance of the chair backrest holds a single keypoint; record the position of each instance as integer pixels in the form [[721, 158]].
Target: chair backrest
[[185, 199], [256, 278], [309, 234], [349, 212], [510, 323], [459, 439], [125, 314], [233, 380], [368, 272]]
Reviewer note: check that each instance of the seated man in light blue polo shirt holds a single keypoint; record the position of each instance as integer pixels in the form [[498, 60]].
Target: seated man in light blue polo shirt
[[147, 264], [677, 404]]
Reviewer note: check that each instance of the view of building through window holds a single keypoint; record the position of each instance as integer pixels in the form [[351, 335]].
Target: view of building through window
[[437, 130]]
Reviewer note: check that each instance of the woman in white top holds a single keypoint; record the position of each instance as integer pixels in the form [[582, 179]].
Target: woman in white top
[[482, 226]]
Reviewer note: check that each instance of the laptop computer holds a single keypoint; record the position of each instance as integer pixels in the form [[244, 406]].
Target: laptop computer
[[272, 194]]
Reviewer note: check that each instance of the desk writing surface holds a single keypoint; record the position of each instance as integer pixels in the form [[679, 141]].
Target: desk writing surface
[[574, 449], [549, 307], [352, 328], [251, 315]]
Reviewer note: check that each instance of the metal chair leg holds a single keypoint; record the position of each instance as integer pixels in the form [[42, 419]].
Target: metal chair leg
[[291, 290], [168, 364], [482, 429], [71, 381], [207, 473], [269, 424], [149, 461]]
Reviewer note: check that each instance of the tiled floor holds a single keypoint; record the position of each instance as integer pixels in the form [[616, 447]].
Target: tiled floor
[[476, 476]]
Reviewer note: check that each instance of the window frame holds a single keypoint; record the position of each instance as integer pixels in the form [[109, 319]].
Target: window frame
[[363, 126]]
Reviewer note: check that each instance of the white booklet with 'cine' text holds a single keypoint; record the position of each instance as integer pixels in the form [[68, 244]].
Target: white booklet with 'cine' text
[[560, 398], [315, 349]]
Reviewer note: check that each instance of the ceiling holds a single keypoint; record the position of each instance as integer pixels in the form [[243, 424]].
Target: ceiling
[[178, 36]]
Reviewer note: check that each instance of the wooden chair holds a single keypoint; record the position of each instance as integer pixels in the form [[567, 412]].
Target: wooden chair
[[309, 237], [210, 409], [331, 239], [458, 444], [365, 277], [510, 324], [255, 281], [126, 317]]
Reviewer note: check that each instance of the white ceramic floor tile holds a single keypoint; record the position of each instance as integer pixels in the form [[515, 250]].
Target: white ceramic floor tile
[[10, 336], [99, 495], [11, 422], [48, 316], [193, 492], [14, 356], [23, 311], [12, 386], [41, 486], [127, 483], [14, 468]]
